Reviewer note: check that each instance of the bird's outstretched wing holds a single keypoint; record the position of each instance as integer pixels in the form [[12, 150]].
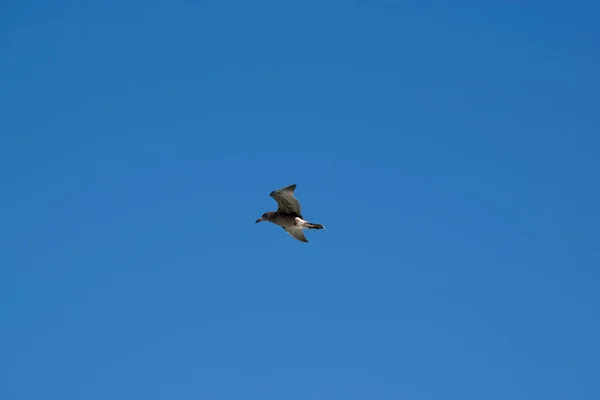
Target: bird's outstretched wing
[[286, 201], [296, 233]]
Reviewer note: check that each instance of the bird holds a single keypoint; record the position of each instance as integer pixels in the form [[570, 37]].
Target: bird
[[288, 214]]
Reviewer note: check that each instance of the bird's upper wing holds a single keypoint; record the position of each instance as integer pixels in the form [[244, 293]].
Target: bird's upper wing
[[286, 201], [296, 233]]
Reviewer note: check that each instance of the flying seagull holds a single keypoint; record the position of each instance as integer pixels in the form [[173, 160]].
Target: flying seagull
[[288, 214]]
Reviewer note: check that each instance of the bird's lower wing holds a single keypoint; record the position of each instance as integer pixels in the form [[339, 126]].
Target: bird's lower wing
[[296, 233]]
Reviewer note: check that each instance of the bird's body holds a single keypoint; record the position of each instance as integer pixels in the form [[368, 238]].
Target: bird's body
[[288, 214]]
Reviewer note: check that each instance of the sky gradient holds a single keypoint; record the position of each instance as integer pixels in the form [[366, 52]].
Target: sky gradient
[[450, 151]]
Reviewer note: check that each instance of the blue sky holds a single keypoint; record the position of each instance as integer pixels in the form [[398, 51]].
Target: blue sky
[[451, 151]]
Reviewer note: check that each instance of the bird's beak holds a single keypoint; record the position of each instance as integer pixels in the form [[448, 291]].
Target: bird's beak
[[259, 220]]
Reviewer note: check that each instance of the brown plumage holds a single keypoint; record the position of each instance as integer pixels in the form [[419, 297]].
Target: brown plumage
[[288, 214]]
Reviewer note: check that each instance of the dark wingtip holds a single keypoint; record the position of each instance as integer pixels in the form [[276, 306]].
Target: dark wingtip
[[291, 188]]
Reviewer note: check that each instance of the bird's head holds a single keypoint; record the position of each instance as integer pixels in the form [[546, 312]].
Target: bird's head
[[266, 217]]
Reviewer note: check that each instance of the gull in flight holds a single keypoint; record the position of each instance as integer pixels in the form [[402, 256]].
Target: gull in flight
[[288, 214]]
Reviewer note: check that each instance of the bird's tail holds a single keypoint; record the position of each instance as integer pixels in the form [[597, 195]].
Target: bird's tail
[[310, 225]]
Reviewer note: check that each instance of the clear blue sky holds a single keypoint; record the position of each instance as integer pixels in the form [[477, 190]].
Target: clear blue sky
[[451, 152]]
